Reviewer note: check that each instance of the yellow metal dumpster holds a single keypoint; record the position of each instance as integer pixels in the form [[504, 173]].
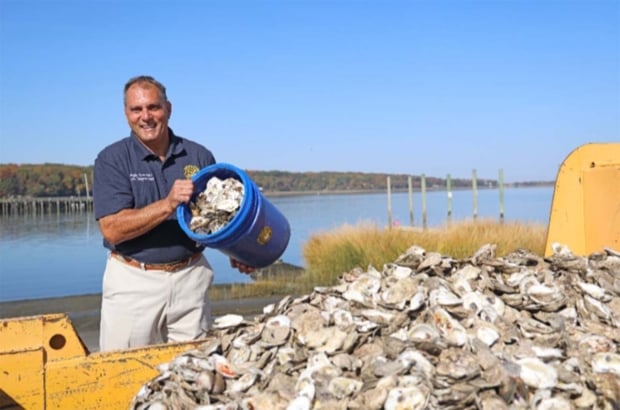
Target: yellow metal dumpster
[[45, 365], [585, 211]]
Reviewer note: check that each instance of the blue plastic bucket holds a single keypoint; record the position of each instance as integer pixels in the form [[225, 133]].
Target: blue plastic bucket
[[257, 235]]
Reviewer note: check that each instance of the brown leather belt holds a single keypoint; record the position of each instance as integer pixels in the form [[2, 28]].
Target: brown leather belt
[[167, 267]]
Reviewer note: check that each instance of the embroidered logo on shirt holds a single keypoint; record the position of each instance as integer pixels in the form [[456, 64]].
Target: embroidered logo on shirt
[[190, 170], [138, 176]]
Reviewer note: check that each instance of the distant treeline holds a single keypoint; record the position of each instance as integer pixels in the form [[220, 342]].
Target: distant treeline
[[44, 180], [50, 180]]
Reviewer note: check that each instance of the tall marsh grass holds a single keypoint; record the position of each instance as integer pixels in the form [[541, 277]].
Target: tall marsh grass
[[328, 254]]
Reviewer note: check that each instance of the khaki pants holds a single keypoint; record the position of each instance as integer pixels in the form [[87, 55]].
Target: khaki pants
[[141, 307]]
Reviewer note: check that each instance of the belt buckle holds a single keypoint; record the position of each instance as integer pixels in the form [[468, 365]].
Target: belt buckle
[[176, 266], [170, 267]]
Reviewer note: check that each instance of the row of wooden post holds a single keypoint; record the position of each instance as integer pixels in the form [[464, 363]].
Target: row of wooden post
[[44, 206], [474, 187], [16, 206]]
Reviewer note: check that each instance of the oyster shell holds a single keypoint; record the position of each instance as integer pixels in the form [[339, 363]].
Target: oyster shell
[[426, 332]]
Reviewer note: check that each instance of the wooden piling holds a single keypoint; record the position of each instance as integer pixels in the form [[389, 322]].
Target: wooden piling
[[389, 201], [449, 191], [474, 188], [423, 190], [500, 187], [43, 206], [410, 186]]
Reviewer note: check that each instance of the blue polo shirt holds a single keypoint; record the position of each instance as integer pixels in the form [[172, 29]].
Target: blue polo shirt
[[128, 175]]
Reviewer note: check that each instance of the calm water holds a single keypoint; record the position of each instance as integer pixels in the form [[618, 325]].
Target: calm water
[[59, 255]]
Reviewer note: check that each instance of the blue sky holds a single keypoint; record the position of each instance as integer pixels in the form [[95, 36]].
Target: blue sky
[[433, 87]]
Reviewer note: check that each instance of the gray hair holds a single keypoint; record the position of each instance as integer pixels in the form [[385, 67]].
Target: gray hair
[[144, 79]]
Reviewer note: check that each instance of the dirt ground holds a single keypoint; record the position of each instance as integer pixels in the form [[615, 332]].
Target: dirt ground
[[84, 311]]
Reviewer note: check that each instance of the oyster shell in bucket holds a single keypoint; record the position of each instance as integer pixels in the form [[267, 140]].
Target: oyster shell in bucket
[[217, 205]]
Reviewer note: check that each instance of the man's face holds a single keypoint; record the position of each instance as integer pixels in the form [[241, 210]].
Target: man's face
[[147, 113]]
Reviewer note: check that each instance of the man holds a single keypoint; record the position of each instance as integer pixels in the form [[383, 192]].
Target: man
[[156, 279]]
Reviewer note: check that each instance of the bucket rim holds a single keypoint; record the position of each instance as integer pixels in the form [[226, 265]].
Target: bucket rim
[[225, 232]]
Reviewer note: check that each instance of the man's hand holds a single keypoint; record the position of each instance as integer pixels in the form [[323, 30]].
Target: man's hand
[[242, 267], [181, 192]]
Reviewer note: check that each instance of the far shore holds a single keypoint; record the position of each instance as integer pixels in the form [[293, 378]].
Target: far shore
[[278, 194], [394, 190]]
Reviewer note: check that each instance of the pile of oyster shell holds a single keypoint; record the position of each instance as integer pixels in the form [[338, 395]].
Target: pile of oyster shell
[[217, 205], [425, 332]]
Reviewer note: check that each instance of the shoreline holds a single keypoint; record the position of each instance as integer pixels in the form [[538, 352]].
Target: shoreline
[[277, 194], [84, 311]]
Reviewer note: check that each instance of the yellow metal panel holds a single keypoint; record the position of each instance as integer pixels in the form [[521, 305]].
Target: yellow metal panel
[[601, 187], [566, 216], [106, 380], [43, 365], [54, 333], [22, 380], [576, 219]]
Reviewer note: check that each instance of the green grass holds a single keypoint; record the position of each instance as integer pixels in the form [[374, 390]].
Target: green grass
[[328, 254]]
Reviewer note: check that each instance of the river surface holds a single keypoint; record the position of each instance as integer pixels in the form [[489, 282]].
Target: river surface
[[54, 255]]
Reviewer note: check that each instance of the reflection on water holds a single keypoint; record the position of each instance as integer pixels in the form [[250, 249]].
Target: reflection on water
[[62, 254], [51, 255], [18, 226]]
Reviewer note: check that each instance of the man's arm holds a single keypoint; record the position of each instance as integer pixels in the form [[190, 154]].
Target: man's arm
[[128, 224]]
